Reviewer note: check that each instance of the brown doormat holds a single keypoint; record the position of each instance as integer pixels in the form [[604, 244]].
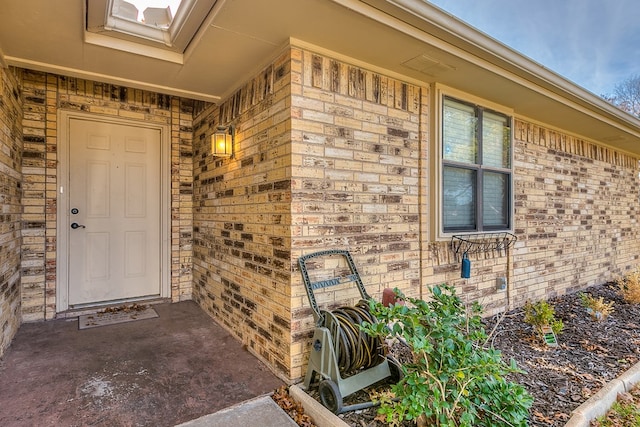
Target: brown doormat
[[115, 315]]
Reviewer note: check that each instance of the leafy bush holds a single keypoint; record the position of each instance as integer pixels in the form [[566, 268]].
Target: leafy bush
[[453, 379], [629, 286], [596, 307], [542, 314]]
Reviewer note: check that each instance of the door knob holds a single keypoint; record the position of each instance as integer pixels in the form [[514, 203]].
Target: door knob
[[75, 225]]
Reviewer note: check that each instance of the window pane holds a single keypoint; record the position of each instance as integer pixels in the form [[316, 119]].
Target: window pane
[[496, 139], [459, 199], [459, 132], [495, 200]]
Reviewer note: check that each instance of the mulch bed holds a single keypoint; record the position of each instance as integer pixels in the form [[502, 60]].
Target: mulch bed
[[590, 354]]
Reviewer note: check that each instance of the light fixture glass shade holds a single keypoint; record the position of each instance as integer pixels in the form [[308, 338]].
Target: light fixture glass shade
[[222, 142]]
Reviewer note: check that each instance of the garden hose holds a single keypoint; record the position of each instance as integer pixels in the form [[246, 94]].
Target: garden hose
[[355, 349]]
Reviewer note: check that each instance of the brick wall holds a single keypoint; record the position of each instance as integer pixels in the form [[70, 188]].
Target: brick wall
[[43, 95], [358, 140], [330, 155], [327, 156], [361, 181], [577, 213], [242, 216], [10, 195]]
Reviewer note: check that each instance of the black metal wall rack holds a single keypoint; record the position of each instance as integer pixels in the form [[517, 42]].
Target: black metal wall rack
[[465, 244]]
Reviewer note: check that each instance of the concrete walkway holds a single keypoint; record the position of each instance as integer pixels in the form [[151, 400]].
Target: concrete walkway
[[164, 371], [262, 411]]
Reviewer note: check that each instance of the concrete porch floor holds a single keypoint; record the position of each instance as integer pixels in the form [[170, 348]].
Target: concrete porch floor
[[155, 372]]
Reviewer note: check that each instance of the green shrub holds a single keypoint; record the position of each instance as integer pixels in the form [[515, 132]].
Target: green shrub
[[453, 380], [542, 314]]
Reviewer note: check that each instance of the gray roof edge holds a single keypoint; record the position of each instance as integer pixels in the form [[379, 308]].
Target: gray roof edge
[[469, 35]]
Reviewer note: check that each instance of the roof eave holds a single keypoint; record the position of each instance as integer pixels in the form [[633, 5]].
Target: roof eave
[[430, 18]]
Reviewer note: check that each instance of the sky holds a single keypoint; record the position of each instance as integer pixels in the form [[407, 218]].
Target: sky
[[141, 5], [593, 43]]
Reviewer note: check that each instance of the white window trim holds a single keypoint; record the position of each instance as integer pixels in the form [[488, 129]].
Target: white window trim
[[436, 166]]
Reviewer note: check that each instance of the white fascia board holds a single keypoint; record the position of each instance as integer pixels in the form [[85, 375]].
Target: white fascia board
[[72, 72], [133, 47]]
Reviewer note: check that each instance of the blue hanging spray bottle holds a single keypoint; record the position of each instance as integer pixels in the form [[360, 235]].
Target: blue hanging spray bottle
[[465, 271]]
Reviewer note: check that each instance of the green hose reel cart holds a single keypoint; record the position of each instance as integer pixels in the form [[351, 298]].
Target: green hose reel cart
[[346, 359]]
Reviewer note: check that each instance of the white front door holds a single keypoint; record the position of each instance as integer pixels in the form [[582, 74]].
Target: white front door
[[114, 221]]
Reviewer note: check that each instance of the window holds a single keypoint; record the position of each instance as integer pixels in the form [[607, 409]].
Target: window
[[476, 168]]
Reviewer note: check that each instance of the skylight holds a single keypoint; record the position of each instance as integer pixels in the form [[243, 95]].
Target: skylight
[[154, 13], [146, 27]]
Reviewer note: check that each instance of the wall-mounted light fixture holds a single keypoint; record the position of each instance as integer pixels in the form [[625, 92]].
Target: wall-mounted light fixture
[[222, 141]]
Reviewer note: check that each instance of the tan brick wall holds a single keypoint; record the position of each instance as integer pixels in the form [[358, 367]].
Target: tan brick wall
[[577, 213], [10, 195], [357, 142], [361, 181], [43, 95], [242, 216], [442, 265], [327, 156], [333, 156]]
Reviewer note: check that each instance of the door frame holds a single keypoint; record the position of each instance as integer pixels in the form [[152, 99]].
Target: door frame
[[63, 214]]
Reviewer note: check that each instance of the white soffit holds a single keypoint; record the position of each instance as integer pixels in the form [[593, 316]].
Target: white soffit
[[427, 65]]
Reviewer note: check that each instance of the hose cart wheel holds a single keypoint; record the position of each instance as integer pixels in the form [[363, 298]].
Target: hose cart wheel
[[330, 396]]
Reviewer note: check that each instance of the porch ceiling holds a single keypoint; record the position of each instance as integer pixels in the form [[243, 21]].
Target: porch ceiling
[[408, 38]]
